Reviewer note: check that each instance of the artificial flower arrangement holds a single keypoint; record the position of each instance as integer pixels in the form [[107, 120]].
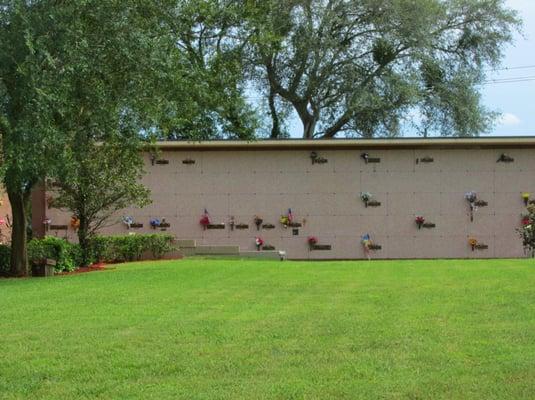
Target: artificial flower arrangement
[[471, 197], [75, 222], [366, 197], [259, 242], [368, 200], [288, 220], [525, 197], [156, 223], [368, 244], [475, 244], [472, 242], [258, 222], [205, 219], [419, 221], [312, 241], [128, 221]]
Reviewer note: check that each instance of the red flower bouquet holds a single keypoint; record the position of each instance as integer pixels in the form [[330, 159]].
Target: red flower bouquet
[[258, 242], [419, 221], [205, 220]]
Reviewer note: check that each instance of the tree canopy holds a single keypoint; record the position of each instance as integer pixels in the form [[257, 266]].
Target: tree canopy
[[359, 67]]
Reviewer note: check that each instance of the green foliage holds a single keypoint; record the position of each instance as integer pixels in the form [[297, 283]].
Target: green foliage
[[5, 255], [527, 232], [66, 254], [357, 67], [110, 249], [207, 99], [122, 248], [73, 73]]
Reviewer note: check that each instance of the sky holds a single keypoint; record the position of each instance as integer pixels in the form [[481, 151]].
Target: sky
[[514, 100]]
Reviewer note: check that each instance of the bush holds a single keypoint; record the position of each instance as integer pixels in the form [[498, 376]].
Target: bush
[[66, 254], [122, 248], [109, 249], [5, 256]]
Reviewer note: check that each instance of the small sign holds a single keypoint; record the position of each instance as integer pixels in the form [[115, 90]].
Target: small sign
[[58, 227], [321, 247], [215, 226]]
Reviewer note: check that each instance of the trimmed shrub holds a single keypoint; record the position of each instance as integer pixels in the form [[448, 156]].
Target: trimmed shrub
[[121, 248], [5, 256], [111, 249], [66, 254]]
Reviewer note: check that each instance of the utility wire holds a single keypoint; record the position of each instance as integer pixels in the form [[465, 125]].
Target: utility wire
[[513, 68]]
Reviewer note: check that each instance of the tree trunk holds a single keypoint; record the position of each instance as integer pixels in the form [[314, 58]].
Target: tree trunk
[[275, 128], [309, 127], [307, 119], [83, 240], [19, 255]]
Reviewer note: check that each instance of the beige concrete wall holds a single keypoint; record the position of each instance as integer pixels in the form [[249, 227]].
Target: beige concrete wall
[[244, 183]]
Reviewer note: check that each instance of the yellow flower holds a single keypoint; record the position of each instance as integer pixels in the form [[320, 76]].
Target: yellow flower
[[526, 195]]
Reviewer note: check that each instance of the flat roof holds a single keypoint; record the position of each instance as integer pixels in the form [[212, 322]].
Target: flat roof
[[296, 144]]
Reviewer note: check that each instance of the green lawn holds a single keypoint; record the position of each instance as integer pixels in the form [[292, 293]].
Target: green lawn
[[230, 329]]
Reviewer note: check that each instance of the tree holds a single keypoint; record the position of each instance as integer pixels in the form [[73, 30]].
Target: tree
[[359, 67], [99, 179], [527, 232], [210, 39], [66, 68]]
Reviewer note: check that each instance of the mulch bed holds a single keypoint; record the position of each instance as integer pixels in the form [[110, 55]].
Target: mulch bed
[[83, 270]]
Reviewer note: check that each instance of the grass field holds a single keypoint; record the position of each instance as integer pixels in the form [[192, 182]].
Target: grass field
[[230, 329]]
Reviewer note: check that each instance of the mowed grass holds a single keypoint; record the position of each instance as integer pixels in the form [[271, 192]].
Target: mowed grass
[[231, 329]]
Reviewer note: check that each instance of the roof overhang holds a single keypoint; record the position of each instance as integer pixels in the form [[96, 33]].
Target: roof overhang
[[302, 144]]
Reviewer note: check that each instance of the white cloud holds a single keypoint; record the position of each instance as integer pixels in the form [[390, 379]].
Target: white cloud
[[509, 119]]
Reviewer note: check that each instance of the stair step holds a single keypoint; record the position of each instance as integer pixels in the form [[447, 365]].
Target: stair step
[[217, 250], [185, 243], [263, 254]]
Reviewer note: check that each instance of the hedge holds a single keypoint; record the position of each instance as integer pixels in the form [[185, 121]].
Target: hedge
[[66, 254], [108, 249], [120, 248]]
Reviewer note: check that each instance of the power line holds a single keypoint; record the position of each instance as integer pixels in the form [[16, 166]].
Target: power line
[[513, 68], [510, 80]]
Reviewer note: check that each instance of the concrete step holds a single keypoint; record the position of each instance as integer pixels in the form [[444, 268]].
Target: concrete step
[[185, 243], [217, 250], [261, 255]]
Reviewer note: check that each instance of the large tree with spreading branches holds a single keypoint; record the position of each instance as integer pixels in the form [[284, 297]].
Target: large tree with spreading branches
[[360, 67]]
